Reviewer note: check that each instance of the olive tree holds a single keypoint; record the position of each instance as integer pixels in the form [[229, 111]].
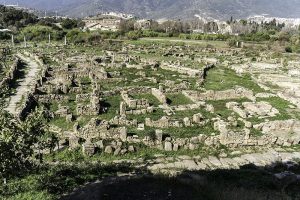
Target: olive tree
[[18, 142]]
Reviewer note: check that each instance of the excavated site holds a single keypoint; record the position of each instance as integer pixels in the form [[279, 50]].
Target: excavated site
[[166, 106]]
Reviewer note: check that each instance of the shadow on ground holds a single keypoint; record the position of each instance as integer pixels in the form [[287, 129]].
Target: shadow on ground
[[93, 181], [247, 183]]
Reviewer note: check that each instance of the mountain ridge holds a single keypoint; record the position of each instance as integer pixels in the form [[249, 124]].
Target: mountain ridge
[[155, 9]]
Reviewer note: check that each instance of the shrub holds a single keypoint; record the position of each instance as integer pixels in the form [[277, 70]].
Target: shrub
[[39, 33], [288, 49], [133, 35], [232, 42]]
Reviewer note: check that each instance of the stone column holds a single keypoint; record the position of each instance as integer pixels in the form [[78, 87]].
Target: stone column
[[12, 40], [25, 42], [65, 40], [49, 38], [123, 108]]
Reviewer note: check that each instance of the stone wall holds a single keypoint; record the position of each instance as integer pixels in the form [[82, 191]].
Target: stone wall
[[287, 132], [182, 70], [164, 122], [134, 103], [51, 97], [250, 109], [10, 75], [236, 93], [161, 97]]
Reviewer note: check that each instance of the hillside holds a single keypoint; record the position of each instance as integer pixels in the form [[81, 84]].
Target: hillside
[[15, 19], [219, 9]]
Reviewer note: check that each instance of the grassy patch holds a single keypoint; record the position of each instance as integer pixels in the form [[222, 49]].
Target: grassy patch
[[152, 100], [113, 105], [186, 132], [178, 99], [223, 78], [281, 105], [220, 106], [62, 123], [156, 115]]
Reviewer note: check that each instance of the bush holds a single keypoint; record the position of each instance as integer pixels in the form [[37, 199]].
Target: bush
[[71, 23], [232, 42], [40, 33], [288, 49], [76, 36], [196, 36], [134, 35], [4, 36]]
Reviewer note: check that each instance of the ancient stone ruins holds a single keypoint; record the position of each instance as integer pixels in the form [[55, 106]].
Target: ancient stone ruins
[[176, 99]]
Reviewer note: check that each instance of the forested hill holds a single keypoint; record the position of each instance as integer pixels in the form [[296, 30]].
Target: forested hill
[[15, 19]]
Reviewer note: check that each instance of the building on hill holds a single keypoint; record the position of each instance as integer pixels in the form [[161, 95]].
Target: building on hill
[[143, 24], [102, 22]]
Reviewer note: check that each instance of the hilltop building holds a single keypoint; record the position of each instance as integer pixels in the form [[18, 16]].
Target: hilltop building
[[142, 24], [106, 21]]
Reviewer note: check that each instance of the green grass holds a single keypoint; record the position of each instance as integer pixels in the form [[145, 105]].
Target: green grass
[[220, 106], [51, 182], [27, 188], [180, 42], [190, 113], [221, 78], [187, 132], [152, 100], [62, 123], [282, 106], [178, 99], [113, 105], [156, 115], [83, 120]]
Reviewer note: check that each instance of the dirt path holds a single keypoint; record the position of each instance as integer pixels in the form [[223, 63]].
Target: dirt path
[[25, 84]]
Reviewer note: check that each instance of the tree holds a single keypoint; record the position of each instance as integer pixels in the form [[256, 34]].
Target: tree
[[126, 25], [71, 23], [134, 35], [18, 141], [11, 17]]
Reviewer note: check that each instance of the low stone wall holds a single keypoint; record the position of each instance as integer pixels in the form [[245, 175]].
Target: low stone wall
[[51, 97], [26, 106], [161, 97], [134, 103], [4, 83], [237, 93], [123, 121], [182, 70], [287, 132], [131, 90], [164, 122]]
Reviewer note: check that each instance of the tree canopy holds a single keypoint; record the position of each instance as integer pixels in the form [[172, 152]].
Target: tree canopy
[[18, 142]]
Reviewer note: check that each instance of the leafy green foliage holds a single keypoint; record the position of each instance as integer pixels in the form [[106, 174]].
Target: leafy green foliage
[[71, 23], [15, 19], [17, 141], [40, 33]]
